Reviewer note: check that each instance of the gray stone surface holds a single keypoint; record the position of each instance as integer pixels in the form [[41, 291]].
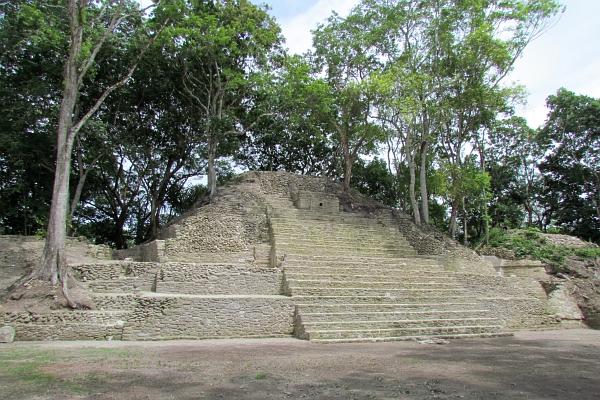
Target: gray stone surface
[[276, 254], [7, 334]]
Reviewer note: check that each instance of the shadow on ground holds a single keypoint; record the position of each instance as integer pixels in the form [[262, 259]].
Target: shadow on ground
[[531, 365]]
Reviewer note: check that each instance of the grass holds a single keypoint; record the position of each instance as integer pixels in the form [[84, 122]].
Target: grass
[[260, 376], [26, 371]]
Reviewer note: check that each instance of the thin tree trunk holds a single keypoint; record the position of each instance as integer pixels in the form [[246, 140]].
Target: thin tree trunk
[[486, 219], [423, 184], [411, 188], [212, 174], [120, 241], [465, 224], [348, 161], [347, 171], [452, 226]]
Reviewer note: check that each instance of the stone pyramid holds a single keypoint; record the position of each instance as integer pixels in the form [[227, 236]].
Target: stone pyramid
[[277, 254]]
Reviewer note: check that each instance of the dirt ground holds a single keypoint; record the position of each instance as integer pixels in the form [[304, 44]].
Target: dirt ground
[[562, 364]]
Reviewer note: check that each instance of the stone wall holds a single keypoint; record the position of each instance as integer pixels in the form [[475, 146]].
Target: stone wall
[[216, 229], [66, 325], [485, 286], [219, 279], [520, 302], [186, 278], [78, 331], [521, 313], [147, 252], [118, 277], [163, 318], [427, 240]]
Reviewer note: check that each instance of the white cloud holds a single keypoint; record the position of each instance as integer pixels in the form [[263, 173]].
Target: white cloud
[[297, 29]]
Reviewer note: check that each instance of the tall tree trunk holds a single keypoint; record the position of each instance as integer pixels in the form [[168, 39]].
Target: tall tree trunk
[[452, 225], [411, 188], [53, 266], [212, 174], [54, 263], [348, 162], [528, 206], [83, 173], [465, 224], [423, 184], [153, 218], [120, 240], [486, 219]]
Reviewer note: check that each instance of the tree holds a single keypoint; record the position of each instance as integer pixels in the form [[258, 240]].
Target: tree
[[220, 47], [444, 62], [345, 55], [374, 179], [511, 160], [32, 39], [89, 28], [571, 168], [290, 136]]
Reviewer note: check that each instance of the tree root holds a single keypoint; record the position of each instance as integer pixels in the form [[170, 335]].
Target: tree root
[[64, 274]]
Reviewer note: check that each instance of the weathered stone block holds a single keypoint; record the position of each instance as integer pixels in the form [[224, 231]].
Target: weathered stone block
[[7, 334]]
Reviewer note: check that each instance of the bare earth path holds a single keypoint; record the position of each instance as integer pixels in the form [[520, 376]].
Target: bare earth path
[[561, 364]]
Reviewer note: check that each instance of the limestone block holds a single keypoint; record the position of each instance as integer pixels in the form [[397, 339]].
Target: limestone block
[[562, 305], [7, 334]]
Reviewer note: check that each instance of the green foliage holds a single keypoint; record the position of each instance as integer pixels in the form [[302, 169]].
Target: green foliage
[[33, 39], [289, 136], [375, 179], [571, 168], [592, 253], [529, 243], [216, 89]]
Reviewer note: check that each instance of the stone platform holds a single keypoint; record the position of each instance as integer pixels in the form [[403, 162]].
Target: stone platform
[[277, 254]]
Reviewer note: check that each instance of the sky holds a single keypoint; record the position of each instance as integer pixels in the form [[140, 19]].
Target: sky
[[568, 55]]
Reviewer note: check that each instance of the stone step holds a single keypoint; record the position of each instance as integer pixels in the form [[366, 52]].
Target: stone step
[[355, 299], [414, 308], [346, 248], [365, 261], [353, 269], [386, 275], [319, 219], [98, 317], [399, 324], [114, 301], [295, 227], [358, 291], [349, 253], [119, 285], [368, 284], [433, 331], [186, 256], [114, 269], [307, 231], [191, 258], [390, 315], [335, 239], [414, 337], [69, 331]]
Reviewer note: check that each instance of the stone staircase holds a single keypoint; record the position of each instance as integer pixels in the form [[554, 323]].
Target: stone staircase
[[261, 262], [357, 279]]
